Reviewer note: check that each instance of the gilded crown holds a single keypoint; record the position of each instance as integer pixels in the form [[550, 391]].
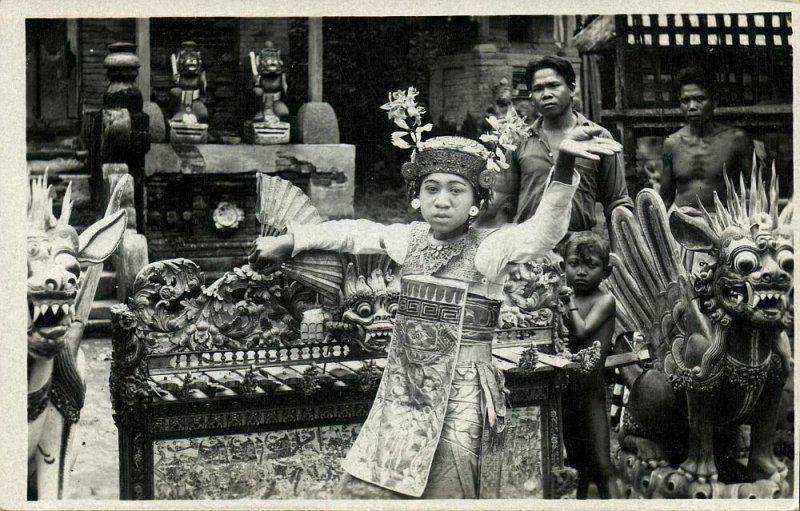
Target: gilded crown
[[453, 155]]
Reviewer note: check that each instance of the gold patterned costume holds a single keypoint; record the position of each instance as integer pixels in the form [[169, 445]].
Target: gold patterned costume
[[440, 397]]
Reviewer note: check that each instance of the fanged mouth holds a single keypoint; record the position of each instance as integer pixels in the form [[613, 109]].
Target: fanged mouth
[[377, 337], [766, 300], [50, 317]]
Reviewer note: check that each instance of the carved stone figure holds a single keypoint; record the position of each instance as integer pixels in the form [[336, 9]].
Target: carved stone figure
[[269, 83], [268, 125], [502, 96], [59, 301], [720, 340], [188, 123]]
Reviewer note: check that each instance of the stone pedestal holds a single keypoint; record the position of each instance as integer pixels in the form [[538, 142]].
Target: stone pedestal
[[188, 133], [317, 124], [267, 132]]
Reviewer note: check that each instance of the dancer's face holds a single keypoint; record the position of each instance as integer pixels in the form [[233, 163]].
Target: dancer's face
[[445, 200]]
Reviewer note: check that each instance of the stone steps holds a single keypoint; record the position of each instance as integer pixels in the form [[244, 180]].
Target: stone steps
[[99, 324]]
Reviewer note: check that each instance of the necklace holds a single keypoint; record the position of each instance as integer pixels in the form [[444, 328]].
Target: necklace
[[435, 256]]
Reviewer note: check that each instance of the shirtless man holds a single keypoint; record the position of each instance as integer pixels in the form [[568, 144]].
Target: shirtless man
[[696, 156]]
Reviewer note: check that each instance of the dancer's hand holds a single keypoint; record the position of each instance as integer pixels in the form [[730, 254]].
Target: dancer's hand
[[268, 252], [586, 142]]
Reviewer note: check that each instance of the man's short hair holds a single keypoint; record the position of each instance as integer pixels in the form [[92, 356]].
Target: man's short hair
[[696, 75], [586, 243], [557, 64]]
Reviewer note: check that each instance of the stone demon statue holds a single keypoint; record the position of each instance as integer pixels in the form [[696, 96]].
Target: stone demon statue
[[59, 300], [189, 85], [719, 338], [269, 83]]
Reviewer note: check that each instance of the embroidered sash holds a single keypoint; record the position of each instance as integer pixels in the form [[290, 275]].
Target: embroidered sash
[[397, 442]]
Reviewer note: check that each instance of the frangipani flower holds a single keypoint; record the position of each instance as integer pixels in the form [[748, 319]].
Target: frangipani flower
[[507, 132], [402, 106]]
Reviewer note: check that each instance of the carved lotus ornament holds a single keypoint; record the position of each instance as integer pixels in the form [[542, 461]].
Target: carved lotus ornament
[[227, 217]]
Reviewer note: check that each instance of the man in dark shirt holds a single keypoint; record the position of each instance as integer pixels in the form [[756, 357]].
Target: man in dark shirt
[[551, 81]]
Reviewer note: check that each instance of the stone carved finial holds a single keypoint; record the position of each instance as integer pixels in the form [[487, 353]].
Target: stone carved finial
[[122, 68]]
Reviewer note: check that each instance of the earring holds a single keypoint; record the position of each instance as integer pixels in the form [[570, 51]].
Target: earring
[[473, 211], [415, 204]]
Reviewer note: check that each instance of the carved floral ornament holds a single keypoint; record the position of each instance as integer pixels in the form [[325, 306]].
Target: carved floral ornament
[[227, 216]]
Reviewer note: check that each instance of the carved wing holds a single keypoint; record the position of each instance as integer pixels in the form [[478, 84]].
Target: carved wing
[[648, 279], [787, 213]]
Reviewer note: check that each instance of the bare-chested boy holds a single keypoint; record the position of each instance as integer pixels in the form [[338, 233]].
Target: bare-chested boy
[[695, 155], [590, 316]]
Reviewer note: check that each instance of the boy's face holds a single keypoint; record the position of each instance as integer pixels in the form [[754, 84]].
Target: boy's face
[[584, 272]]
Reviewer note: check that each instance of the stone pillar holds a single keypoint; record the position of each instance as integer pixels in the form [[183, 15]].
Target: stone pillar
[[316, 120], [125, 135], [143, 53]]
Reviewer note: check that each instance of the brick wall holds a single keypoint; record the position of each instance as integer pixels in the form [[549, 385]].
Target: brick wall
[[461, 84], [253, 32]]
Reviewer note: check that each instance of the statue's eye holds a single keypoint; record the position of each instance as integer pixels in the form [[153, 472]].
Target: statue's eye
[[33, 249], [363, 309], [745, 261], [786, 260], [391, 308]]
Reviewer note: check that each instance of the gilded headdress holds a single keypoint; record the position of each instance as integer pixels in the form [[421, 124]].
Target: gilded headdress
[[455, 155]]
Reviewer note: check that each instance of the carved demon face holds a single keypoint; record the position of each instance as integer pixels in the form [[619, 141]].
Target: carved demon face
[[54, 275], [751, 276], [269, 63], [53, 278], [370, 306], [189, 62]]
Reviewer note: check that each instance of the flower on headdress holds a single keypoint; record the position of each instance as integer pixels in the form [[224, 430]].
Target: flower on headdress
[[507, 132], [402, 106]]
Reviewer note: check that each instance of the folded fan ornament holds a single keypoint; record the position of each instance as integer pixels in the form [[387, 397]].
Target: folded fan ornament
[[281, 202]]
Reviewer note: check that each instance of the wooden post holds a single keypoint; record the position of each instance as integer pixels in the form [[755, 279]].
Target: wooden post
[[73, 85], [143, 52], [316, 120], [315, 60], [484, 29]]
